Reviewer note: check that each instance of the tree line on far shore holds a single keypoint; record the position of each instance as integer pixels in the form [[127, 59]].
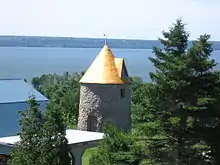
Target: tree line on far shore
[[175, 118], [73, 42]]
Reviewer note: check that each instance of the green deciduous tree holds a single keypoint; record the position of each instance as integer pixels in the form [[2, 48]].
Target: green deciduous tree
[[117, 148], [140, 101], [63, 91]]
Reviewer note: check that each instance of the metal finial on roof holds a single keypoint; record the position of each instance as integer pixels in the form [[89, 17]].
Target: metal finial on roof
[[105, 35]]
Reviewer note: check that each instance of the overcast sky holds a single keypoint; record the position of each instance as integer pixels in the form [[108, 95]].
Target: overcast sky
[[141, 19]]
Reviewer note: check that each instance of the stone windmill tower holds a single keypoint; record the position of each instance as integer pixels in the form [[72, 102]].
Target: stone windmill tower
[[105, 96]]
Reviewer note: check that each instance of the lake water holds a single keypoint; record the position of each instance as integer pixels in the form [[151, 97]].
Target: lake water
[[26, 62]]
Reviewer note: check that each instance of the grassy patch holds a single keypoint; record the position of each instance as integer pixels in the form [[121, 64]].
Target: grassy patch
[[87, 154]]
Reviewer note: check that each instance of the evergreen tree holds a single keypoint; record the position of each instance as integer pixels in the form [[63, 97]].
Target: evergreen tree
[[27, 151], [185, 87], [206, 125], [42, 138], [54, 145]]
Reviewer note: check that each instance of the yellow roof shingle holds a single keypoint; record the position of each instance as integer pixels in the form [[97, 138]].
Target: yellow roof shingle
[[103, 70]]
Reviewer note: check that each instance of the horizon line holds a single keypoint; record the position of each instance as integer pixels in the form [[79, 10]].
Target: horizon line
[[115, 38]]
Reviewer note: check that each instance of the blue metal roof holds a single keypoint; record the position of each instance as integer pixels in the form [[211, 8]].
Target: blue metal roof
[[17, 90]]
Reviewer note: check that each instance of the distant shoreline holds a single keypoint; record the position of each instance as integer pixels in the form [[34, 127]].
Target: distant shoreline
[[71, 42], [73, 47]]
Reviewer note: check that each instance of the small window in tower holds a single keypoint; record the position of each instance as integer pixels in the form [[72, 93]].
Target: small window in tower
[[122, 93]]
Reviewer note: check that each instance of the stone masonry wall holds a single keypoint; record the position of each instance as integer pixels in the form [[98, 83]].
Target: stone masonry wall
[[104, 103]]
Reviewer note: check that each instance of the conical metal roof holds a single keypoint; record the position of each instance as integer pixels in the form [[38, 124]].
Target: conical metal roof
[[103, 69]]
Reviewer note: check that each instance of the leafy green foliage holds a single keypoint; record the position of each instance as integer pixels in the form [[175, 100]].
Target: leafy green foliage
[[140, 101], [117, 148], [63, 91]]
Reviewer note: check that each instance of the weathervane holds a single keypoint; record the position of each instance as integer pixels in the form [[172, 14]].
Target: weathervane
[[105, 39]]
